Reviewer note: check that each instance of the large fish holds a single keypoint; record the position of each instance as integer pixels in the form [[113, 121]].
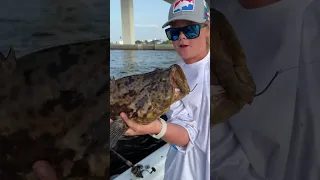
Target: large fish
[[48, 101], [232, 85], [144, 97]]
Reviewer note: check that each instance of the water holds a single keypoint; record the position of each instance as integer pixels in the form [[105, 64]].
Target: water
[[123, 63], [30, 25], [127, 62]]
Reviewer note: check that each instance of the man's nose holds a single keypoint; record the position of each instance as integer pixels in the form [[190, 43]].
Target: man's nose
[[181, 35]]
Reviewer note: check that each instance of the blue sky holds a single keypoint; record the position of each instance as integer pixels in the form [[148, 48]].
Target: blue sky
[[148, 19]]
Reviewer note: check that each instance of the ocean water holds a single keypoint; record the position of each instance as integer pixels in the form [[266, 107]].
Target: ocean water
[[128, 62]]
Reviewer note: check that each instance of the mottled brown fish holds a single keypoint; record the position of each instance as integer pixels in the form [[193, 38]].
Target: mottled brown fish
[[144, 97], [232, 85], [48, 101]]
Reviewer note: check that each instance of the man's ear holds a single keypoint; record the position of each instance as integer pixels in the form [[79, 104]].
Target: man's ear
[[208, 32]]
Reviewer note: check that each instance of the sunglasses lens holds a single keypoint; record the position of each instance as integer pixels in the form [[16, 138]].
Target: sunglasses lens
[[173, 34], [191, 31]]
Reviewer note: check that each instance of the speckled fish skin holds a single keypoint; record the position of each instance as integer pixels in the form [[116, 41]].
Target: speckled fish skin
[[232, 85], [144, 97], [48, 99]]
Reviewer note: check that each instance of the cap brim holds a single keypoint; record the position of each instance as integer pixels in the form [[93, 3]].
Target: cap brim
[[187, 18], [168, 22]]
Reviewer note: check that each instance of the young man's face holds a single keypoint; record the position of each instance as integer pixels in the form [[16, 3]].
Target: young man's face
[[191, 50]]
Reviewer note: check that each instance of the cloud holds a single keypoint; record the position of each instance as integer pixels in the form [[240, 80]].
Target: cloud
[[147, 25]]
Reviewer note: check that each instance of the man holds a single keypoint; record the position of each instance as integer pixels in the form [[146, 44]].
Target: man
[[188, 120], [277, 137]]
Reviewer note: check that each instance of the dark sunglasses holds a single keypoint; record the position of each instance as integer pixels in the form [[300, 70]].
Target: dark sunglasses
[[191, 31]]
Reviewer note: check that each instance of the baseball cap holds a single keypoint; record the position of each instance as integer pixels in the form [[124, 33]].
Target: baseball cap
[[191, 10]]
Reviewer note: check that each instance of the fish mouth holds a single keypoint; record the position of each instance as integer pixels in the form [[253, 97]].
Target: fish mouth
[[179, 83]]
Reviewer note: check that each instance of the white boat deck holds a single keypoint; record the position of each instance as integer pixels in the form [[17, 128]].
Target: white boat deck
[[156, 159]]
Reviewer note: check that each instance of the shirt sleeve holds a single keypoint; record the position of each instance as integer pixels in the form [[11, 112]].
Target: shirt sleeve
[[179, 115]]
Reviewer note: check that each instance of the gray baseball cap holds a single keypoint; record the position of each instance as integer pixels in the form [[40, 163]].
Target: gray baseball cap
[[191, 10]]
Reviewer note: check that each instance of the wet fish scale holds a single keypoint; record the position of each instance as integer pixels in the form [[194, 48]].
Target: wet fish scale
[[148, 96], [49, 99]]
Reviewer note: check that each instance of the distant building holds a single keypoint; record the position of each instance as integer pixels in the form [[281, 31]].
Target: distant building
[[159, 41]]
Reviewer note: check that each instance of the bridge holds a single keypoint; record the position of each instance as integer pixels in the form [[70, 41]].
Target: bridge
[[128, 21]]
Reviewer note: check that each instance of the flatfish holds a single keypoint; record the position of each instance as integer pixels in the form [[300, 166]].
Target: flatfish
[[144, 97]]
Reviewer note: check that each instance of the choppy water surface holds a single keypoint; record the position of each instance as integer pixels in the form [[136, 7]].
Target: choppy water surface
[[123, 63], [127, 62]]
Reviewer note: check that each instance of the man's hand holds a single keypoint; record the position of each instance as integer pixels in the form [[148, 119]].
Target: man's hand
[[138, 129], [175, 133]]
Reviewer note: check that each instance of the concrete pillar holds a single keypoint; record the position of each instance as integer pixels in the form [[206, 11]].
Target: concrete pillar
[[127, 22]]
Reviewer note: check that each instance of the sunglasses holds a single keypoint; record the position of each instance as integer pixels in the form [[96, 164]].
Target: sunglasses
[[191, 31]]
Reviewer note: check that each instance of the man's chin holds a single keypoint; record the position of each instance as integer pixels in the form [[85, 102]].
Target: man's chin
[[185, 55]]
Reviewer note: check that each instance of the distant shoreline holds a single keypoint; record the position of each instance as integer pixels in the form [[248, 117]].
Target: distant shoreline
[[141, 47]]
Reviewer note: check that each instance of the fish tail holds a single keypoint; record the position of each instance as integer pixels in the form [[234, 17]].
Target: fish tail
[[117, 129]]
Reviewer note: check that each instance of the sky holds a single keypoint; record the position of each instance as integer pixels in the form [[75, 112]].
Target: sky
[[148, 19]]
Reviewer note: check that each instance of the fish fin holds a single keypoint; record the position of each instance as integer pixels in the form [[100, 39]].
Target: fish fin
[[117, 129], [113, 80], [113, 85], [8, 64]]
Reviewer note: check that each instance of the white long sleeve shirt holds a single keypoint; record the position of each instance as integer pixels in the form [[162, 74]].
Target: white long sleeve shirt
[[278, 136], [193, 113]]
